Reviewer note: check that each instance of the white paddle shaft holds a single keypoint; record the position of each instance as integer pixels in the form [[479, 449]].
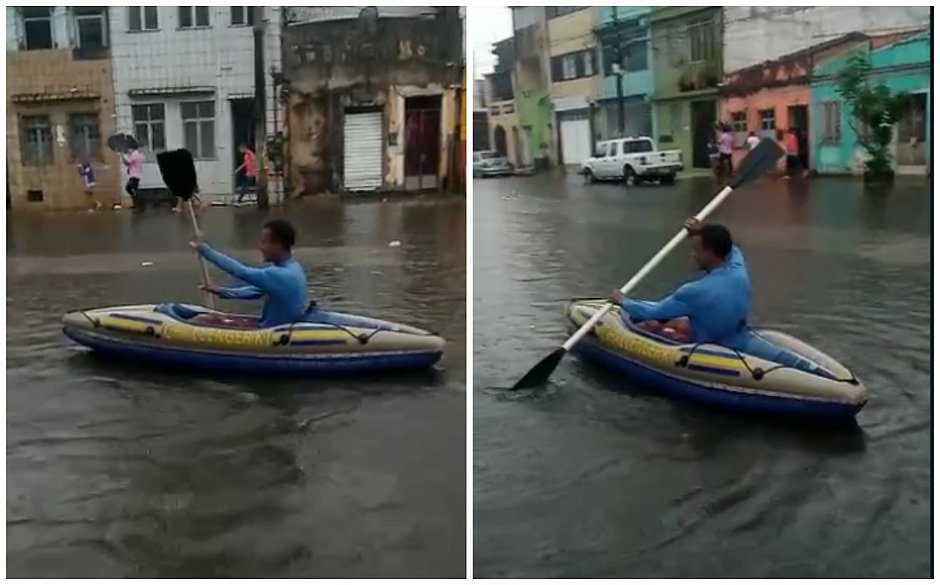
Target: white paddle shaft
[[202, 261], [647, 268]]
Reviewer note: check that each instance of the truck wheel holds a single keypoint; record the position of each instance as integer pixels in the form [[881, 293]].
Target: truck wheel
[[590, 176], [629, 177], [668, 179]]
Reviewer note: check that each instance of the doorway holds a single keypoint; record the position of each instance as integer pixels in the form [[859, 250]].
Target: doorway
[[798, 118], [499, 137], [422, 142], [912, 133], [703, 131], [243, 129]]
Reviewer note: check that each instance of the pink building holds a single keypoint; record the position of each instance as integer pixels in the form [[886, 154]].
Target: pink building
[[772, 97]]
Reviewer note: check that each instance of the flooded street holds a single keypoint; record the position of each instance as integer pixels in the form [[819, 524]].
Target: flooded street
[[591, 477], [115, 470]]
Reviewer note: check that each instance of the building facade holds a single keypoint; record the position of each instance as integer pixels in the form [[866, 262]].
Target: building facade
[[533, 101], [574, 72], [504, 134], [184, 78], [374, 100], [60, 102], [772, 97], [902, 62], [687, 58], [623, 36]]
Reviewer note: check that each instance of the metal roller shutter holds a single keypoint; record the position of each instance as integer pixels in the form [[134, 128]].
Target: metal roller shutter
[[362, 151]]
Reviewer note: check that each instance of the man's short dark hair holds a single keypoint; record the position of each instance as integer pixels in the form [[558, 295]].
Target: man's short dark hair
[[716, 238], [282, 232]]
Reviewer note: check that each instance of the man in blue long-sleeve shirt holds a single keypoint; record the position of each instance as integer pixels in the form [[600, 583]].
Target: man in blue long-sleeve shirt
[[281, 280], [711, 309]]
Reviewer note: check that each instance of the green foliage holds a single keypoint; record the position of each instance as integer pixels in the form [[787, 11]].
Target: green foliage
[[876, 107]]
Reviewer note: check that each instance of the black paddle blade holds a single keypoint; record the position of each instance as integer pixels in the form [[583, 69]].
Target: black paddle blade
[[178, 172], [541, 372], [757, 162]]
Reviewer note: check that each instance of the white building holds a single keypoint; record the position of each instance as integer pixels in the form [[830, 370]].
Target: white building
[[754, 34], [184, 77]]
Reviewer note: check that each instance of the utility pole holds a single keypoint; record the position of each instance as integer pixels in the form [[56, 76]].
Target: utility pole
[[260, 110], [618, 71]]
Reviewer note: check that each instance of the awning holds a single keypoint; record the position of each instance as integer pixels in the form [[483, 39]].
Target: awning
[[148, 91], [567, 104], [56, 95]]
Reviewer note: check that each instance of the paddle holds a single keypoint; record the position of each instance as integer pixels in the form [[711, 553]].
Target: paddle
[[179, 174], [764, 156]]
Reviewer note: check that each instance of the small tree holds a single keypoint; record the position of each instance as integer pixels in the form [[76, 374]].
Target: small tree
[[875, 106]]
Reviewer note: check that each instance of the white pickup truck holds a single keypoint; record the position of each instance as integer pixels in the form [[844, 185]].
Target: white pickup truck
[[632, 160]]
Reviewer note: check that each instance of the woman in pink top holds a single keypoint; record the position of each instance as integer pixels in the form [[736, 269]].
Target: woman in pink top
[[725, 147], [134, 162]]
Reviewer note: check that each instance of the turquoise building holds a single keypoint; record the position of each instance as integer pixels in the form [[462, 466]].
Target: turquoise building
[[902, 62], [623, 35]]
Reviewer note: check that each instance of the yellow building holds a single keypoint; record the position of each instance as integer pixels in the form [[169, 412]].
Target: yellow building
[[574, 82]]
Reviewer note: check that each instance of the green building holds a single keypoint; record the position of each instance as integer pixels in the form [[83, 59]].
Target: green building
[[687, 43], [902, 63]]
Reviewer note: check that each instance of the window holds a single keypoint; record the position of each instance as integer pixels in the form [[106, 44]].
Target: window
[[150, 128], [199, 128], [91, 27], [675, 118], [36, 140], [556, 11], [193, 16], [635, 57], [86, 137], [739, 127], [573, 65], [832, 121], [637, 146], [142, 18], [242, 15], [768, 124], [702, 40], [37, 26]]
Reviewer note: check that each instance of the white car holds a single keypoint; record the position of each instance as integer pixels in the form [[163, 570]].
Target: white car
[[632, 160]]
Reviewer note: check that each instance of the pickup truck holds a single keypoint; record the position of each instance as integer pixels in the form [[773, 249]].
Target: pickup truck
[[632, 160]]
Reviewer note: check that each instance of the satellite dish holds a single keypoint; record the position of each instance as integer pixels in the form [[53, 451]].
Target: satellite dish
[[369, 17]]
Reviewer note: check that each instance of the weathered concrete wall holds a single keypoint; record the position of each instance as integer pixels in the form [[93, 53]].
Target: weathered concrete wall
[[754, 34], [53, 83], [330, 66]]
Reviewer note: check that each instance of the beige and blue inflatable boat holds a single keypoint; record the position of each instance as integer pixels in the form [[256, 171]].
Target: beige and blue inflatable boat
[[788, 378]]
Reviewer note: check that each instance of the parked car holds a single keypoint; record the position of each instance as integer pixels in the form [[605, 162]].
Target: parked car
[[632, 160], [489, 163]]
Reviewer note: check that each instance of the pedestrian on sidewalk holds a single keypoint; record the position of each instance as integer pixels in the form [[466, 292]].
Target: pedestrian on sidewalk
[[88, 179], [791, 144], [725, 148], [134, 162], [246, 173]]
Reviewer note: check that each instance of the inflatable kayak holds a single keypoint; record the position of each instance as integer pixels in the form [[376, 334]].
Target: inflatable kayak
[[788, 377], [327, 342]]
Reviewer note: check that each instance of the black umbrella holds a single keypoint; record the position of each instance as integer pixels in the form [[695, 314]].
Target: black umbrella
[[122, 142]]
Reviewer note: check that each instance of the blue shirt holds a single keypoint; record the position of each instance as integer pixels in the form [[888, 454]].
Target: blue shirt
[[283, 283], [717, 304]]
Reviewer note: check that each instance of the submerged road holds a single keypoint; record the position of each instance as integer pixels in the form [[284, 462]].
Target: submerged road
[[118, 470], [592, 477]]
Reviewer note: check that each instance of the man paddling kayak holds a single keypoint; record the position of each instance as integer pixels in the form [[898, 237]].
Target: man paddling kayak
[[281, 280], [711, 309]]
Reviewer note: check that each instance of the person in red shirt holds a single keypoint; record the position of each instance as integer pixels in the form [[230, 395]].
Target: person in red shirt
[[246, 172], [791, 143]]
